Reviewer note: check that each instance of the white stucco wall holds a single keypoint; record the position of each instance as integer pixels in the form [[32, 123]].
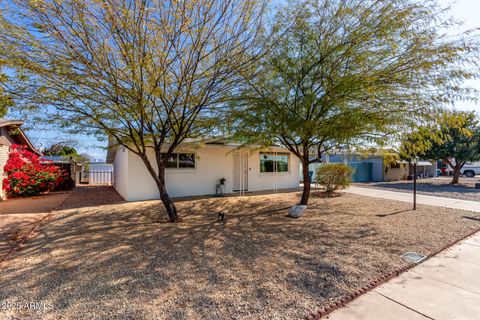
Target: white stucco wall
[[213, 162], [3, 160], [120, 171]]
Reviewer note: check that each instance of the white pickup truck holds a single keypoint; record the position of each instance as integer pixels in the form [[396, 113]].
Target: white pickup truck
[[470, 170]]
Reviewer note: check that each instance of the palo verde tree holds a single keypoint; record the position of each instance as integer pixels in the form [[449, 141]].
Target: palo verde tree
[[5, 99], [353, 70], [147, 73], [5, 102], [454, 137]]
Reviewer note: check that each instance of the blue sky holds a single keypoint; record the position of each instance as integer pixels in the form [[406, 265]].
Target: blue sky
[[467, 11]]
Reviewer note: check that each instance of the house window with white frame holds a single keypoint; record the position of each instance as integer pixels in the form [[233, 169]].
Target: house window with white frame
[[274, 162]]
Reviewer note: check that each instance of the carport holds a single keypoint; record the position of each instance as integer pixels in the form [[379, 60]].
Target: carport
[[425, 169]]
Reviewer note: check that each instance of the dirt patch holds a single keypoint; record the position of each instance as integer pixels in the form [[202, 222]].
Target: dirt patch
[[438, 187], [119, 261], [18, 215]]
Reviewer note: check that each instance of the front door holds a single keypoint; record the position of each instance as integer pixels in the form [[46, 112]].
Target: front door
[[240, 171]]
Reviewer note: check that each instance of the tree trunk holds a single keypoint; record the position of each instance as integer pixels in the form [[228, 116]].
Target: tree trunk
[[162, 189], [306, 182], [456, 169], [167, 202], [456, 174]]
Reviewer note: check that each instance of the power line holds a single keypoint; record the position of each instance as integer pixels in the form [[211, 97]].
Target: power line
[[57, 138]]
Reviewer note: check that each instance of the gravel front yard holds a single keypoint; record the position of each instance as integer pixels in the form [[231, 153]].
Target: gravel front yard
[[118, 261], [438, 187]]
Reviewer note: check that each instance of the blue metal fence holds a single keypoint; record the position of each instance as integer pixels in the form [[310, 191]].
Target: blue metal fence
[[362, 171]]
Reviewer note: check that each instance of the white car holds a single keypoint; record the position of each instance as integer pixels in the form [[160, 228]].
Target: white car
[[470, 170]]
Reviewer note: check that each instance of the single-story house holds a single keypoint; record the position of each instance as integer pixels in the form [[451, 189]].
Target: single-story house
[[11, 133], [198, 169]]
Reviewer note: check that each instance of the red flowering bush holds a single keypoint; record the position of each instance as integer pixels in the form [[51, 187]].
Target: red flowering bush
[[26, 176]]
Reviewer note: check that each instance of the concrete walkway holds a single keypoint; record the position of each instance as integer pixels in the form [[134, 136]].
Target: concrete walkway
[[445, 287], [421, 199]]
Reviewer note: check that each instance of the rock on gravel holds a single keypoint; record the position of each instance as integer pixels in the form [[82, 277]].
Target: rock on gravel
[[296, 211]]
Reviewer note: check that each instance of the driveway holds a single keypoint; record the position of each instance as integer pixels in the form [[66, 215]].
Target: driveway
[[445, 287], [16, 215], [437, 187], [91, 196], [421, 199]]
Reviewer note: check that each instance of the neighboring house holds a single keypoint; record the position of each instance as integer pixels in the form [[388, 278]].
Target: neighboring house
[[426, 169], [399, 170], [197, 170], [375, 168], [10, 133], [365, 169]]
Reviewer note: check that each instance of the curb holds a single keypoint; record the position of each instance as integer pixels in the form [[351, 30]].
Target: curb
[[344, 300]]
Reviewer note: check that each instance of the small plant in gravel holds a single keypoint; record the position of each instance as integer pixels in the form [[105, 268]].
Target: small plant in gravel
[[26, 176], [334, 176]]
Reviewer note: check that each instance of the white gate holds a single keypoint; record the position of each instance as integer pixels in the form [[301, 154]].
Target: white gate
[[100, 177]]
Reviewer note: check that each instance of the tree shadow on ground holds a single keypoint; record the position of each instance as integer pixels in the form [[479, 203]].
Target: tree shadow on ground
[[383, 215]]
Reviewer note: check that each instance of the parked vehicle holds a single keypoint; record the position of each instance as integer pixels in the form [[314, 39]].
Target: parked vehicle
[[470, 170]]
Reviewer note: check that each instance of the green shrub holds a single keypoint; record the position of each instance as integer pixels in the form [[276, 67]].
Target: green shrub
[[334, 176]]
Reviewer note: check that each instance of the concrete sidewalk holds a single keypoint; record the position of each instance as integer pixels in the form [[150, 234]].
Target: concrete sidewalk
[[445, 287], [421, 199]]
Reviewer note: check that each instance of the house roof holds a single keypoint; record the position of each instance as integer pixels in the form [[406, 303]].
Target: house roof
[[215, 140], [23, 139], [10, 122], [424, 163]]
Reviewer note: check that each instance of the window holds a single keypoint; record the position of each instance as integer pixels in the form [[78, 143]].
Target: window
[[395, 165], [274, 162], [186, 160], [181, 160]]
